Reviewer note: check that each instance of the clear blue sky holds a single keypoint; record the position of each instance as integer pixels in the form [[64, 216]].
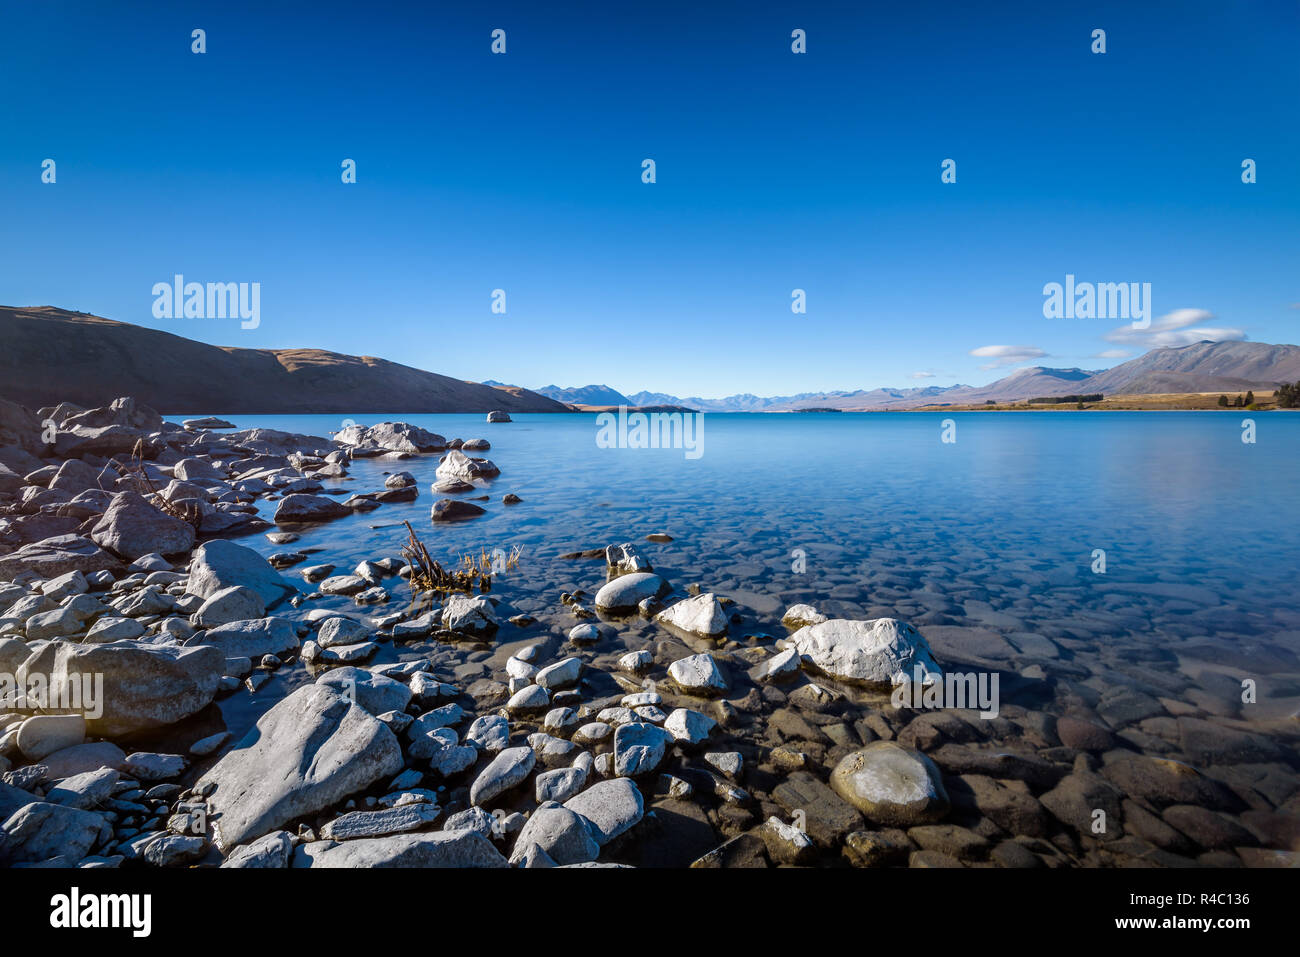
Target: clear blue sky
[[775, 171]]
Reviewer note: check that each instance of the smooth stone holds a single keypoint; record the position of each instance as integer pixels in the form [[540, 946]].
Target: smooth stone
[[879, 652], [310, 751], [507, 770], [624, 593], [612, 807]]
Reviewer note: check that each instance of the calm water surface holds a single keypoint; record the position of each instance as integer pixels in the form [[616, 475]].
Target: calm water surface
[[994, 533]]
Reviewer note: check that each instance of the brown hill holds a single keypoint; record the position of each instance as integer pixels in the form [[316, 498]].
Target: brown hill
[[50, 355]]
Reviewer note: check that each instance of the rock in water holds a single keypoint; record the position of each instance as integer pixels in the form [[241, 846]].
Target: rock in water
[[312, 750], [390, 437], [878, 652], [624, 560], [144, 686], [131, 527], [701, 615], [301, 507], [451, 510], [463, 848], [891, 785], [797, 616], [470, 615], [698, 675], [221, 564], [254, 638], [498, 416], [624, 593], [456, 466]]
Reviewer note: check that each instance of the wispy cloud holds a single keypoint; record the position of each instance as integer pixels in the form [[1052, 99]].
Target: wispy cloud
[[1112, 354], [922, 375], [1007, 355], [1177, 328]]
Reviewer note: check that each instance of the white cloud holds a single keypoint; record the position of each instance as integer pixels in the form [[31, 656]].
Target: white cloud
[[1007, 355], [1112, 354], [922, 375], [1174, 329]]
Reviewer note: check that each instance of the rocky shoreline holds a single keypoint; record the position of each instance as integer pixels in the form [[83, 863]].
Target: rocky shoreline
[[699, 747]]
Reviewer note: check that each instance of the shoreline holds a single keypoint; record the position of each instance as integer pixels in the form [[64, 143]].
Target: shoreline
[[670, 726]]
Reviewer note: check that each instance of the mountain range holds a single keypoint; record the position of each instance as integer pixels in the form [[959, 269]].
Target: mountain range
[[1233, 366], [50, 355]]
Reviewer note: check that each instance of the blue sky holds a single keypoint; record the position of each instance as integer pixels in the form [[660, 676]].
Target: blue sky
[[775, 171]]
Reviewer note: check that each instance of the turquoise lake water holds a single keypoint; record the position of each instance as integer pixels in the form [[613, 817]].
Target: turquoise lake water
[[997, 530]]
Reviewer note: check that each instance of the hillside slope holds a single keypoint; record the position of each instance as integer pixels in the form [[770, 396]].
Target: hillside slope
[[50, 355]]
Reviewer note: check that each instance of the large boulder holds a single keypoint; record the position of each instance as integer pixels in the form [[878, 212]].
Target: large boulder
[[109, 440], [121, 411], [40, 831], [701, 615], [144, 686], [301, 507], [19, 427], [274, 442], [878, 652], [609, 807], [891, 785], [389, 437], [253, 638], [197, 470], [457, 466], [562, 834], [624, 593], [312, 750], [76, 476], [59, 555], [236, 603], [452, 510], [464, 848], [470, 615], [221, 564]]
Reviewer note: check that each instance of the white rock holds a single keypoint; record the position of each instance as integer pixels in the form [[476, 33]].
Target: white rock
[[612, 807], [638, 748], [562, 674], [689, 727], [636, 662], [701, 615], [624, 593], [698, 674], [507, 770], [310, 751], [877, 652], [469, 615]]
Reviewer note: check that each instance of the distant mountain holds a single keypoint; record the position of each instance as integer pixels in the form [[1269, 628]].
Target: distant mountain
[[1203, 367], [857, 400], [587, 395], [1200, 367], [1020, 385], [50, 355]]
